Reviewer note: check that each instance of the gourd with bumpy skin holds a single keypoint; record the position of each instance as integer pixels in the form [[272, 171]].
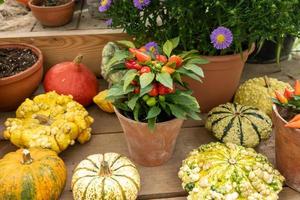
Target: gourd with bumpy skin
[[238, 124], [104, 104], [49, 121], [105, 177], [108, 53], [258, 92], [34, 174], [229, 172]]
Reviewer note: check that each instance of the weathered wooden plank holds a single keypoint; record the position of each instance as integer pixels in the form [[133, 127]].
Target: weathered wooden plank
[[289, 194]]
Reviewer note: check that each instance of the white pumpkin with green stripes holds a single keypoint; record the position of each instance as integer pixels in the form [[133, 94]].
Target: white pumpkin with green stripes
[[105, 177], [239, 124]]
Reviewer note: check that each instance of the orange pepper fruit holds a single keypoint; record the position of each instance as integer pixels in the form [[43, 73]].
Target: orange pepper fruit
[[297, 87], [281, 98], [288, 93], [167, 69]]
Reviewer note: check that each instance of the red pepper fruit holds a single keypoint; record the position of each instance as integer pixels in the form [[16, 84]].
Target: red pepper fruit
[[137, 90], [135, 83], [137, 66], [143, 49], [142, 57], [176, 59], [161, 58], [297, 88], [167, 69], [154, 91], [288, 93], [131, 64], [281, 98], [132, 50], [162, 90], [145, 70]]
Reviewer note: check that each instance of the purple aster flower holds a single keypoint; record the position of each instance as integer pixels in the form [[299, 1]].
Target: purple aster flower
[[108, 22], [152, 47], [104, 5], [221, 38], [141, 4]]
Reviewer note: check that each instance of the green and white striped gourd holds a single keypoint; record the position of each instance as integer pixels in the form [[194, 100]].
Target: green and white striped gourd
[[219, 171], [239, 124], [105, 177]]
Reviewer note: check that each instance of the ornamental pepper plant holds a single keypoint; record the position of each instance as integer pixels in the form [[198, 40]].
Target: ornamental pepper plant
[[152, 89], [289, 104]]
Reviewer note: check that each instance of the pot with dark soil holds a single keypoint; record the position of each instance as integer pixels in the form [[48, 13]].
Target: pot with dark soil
[[53, 12], [21, 70], [286, 119]]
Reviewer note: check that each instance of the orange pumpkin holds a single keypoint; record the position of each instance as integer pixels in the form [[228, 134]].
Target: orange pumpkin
[[34, 174]]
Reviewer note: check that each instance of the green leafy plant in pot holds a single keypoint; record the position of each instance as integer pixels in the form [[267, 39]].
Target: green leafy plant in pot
[[286, 119], [151, 101]]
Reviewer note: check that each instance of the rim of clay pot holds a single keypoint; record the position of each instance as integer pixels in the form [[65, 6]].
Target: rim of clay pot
[[21, 75], [246, 53], [275, 110], [145, 124], [69, 4]]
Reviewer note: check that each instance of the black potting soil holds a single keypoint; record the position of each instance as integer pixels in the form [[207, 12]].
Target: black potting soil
[[15, 60]]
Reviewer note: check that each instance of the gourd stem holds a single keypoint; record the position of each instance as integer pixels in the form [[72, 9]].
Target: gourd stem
[[78, 59], [104, 169], [267, 81], [27, 159], [43, 119]]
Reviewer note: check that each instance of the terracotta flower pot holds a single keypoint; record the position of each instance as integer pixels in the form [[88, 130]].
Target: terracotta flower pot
[[15, 89], [287, 148], [53, 15], [150, 148], [221, 79]]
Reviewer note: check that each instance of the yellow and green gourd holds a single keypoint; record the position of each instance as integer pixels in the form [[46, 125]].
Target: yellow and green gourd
[[258, 92], [50, 121], [105, 177], [238, 124], [229, 172], [32, 174]]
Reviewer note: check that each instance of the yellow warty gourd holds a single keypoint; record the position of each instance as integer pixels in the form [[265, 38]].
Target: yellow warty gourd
[[103, 104], [49, 121]]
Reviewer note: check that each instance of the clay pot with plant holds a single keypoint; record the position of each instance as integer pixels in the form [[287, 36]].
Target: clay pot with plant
[[286, 119], [151, 100], [52, 12], [21, 70]]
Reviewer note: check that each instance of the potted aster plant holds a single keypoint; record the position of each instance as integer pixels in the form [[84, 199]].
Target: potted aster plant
[[286, 119], [151, 101]]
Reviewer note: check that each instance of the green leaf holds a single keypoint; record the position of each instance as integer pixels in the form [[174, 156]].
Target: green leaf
[[126, 43], [146, 79], [153, 112], [168, 48], [151, 124], [132, 102], [165, 79], [177, 111], [184, 99], [197, 61], [175, 42], [188, 53], [188, 73], [194, 115], [194, 68], [118, 57], [121, 106], [177, 77], [116, 91], [128, 77], [145, 90], [136, 112]]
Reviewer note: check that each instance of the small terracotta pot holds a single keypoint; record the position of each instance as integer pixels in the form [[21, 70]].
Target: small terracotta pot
[[221, 79], [15, 89], [53, 15], [150, 148], [287, 149]]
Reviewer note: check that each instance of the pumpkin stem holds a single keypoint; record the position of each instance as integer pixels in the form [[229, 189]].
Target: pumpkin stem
[[43, 119], [104, 170], [267, 81], [27, 159], [78, 59]]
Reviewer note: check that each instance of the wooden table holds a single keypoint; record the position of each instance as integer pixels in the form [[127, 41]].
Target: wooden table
[[157, 182]]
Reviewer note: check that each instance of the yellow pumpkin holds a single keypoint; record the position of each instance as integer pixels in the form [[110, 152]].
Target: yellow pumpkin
[[105, 177], [104, 104], [34, 174], [49, 121]]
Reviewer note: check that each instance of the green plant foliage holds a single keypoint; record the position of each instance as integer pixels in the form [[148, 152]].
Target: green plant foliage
[[249, 20]]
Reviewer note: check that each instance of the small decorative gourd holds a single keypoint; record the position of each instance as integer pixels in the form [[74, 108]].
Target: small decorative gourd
[[105, 177], [238, 124], [49, 121], [258, 92], [33, 174], [104, 104], [229, 172]]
